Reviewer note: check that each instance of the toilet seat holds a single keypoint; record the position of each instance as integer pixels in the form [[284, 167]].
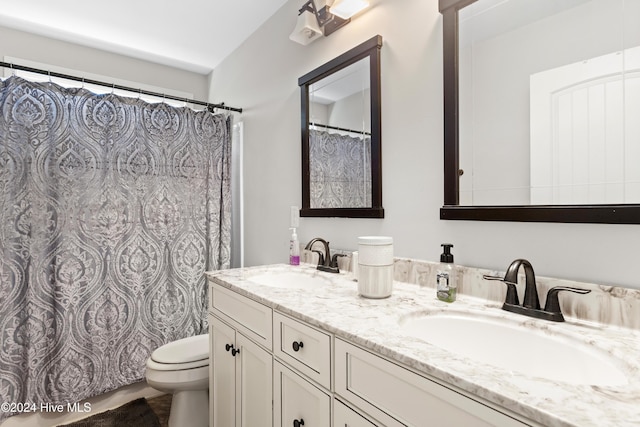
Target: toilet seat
[[176, 366], [186, 353]]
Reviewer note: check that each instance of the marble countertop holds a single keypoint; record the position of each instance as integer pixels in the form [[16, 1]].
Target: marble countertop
[[373, 324]]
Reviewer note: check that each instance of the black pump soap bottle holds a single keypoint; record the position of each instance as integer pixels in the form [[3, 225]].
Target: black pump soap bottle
[[446, 285]]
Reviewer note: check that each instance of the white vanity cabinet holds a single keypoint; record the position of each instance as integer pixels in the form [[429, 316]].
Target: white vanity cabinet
[[290, 373], [240, 370]]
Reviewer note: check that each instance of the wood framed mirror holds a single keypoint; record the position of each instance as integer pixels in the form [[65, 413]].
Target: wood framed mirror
[[341, 135], [545, 145]]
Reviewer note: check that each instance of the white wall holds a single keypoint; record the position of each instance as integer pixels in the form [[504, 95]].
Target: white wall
[[352, 112], [261, 76], [44, 50]]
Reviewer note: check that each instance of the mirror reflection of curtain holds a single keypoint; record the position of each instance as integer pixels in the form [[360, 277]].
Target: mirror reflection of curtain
[[111, 209], [340, 167]]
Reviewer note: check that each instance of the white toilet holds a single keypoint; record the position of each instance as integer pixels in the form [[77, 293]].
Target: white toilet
[[182, 368]]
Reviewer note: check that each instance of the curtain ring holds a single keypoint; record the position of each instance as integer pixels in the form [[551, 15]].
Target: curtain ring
[[113, 88], [83, 83]]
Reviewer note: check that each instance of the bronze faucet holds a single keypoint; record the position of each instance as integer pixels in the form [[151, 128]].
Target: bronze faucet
[[325, 261], [531, 305]]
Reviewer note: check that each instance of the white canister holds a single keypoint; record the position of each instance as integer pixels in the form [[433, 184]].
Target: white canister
[[375, 266]]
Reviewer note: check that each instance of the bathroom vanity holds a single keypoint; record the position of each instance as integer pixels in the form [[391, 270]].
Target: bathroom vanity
[[292, 346]]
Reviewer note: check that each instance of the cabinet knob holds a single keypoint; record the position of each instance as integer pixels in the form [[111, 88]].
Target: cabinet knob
[[297, 345], [235, 351], [228, 347], [297, 423]]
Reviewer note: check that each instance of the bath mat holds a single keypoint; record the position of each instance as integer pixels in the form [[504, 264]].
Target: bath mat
[[136, 413]]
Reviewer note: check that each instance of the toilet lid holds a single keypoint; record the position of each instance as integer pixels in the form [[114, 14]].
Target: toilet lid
[[191, 349]]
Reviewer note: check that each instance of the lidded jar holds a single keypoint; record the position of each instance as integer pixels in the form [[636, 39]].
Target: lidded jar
[[375, 266]]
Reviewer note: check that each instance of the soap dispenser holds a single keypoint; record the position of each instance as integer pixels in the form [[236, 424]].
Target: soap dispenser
[[294, 248], [446, 285], [294, 245]]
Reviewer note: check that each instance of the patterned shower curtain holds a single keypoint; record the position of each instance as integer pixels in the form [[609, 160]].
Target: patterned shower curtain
[[340, 168], [111, 209]]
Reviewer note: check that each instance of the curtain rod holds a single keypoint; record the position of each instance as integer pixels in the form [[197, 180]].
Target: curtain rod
[[209, 105], [339, 128]]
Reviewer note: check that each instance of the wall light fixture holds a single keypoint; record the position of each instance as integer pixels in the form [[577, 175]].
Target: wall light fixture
[[313, 23], [345, 9]]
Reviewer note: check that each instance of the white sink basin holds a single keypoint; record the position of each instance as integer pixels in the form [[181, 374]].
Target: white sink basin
[[289, 279], [513, 347]]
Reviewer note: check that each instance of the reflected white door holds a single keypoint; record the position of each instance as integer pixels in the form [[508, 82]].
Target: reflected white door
[[585, 135]]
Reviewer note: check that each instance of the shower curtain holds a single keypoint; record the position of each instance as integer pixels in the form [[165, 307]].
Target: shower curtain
[[111, 209], [340, 168]]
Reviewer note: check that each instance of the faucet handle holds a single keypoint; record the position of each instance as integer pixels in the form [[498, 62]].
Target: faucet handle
[[334, 260], [512, 292], [552, 305]]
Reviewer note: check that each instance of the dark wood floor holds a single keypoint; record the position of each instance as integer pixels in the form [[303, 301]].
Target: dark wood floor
[[161, 405]]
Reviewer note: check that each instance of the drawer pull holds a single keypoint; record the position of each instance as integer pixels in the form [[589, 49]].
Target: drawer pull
[[297, 423], [297, 345]]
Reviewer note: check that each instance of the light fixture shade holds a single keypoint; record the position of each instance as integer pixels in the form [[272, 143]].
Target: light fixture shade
[[307, 29], [345, 9]]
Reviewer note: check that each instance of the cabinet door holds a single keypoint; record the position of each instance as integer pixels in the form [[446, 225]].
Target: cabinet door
[[296, 399], [254, 379], [222, 380]]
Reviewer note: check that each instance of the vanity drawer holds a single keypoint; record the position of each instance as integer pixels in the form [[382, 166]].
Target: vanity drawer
[[304, 348], [399, 397], [253, 319]]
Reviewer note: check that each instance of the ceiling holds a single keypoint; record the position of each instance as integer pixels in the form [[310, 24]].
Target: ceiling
[[194, 35]]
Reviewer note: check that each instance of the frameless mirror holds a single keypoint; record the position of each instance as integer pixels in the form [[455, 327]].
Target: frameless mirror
[[341, 156], [540, 104]]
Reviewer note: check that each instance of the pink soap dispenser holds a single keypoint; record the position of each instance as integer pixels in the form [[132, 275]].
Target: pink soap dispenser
[[294, 248]]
